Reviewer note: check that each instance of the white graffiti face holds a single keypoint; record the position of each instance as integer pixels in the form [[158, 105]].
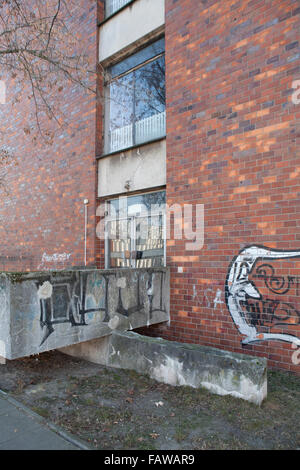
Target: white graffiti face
[[239, 288]]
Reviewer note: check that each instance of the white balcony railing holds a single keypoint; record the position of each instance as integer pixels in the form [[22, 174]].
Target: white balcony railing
[[146, 129], [111, 6], [121, 138], [150, 128]]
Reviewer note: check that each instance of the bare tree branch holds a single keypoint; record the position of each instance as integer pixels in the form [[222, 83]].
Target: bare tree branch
[[39, 48], [37, 45]]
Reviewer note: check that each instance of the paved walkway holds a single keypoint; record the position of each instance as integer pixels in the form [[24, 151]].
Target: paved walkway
[[22, 430]]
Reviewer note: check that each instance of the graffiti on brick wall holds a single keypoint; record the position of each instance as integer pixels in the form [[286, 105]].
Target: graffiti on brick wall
[[210, 297], [258, 298], [55, 258], [75, 297]]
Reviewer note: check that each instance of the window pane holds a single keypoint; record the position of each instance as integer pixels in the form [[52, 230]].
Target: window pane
[[149, 241], [139, 204], [121, 113], [119, 243], [150, 100], [135, 106], [138, 58], [111, 6], [136, 237]]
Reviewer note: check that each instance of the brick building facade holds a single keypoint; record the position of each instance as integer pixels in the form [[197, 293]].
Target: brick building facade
[[231, 143]]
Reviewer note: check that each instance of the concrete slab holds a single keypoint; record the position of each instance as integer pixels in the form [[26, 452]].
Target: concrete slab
[[22, 431], [221, 372], [37, 440], [42, 311]]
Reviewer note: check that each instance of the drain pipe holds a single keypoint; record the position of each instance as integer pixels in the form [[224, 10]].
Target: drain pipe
[[85, 202]]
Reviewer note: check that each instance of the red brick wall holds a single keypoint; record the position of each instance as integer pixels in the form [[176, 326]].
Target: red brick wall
[[42, 215], [233, 145]]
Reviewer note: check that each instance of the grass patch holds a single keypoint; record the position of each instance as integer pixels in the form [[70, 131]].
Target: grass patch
[[44, 412]]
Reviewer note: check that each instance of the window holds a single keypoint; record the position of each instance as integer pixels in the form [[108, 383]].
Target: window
[[136, 231], [135, 99], [111, 6]]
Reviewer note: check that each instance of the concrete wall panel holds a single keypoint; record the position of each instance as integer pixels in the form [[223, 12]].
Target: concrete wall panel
[[136, 169], [118, 33]]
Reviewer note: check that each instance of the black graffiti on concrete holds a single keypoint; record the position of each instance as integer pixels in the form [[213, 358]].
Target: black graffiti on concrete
[[279, 285], [137, 308], [67, 303], [68, 300], [150, 296], [140, 306]]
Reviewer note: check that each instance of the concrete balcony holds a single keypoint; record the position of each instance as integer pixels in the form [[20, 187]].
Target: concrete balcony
[[40, 311]]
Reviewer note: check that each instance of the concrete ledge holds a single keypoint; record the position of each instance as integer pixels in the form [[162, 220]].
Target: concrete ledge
[[41, 311], [221, 372], [95, 351]]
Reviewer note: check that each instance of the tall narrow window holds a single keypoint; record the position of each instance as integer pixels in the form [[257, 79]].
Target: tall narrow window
[[136, 231], [135, 99]]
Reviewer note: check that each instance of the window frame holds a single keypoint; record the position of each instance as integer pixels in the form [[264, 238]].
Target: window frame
[[109, 219], [108, 150], [108, 16]]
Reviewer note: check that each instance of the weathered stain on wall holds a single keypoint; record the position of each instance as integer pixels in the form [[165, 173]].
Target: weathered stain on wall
[[44, 311]]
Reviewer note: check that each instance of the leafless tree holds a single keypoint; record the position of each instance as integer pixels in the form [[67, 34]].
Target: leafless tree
[[38, 48]]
